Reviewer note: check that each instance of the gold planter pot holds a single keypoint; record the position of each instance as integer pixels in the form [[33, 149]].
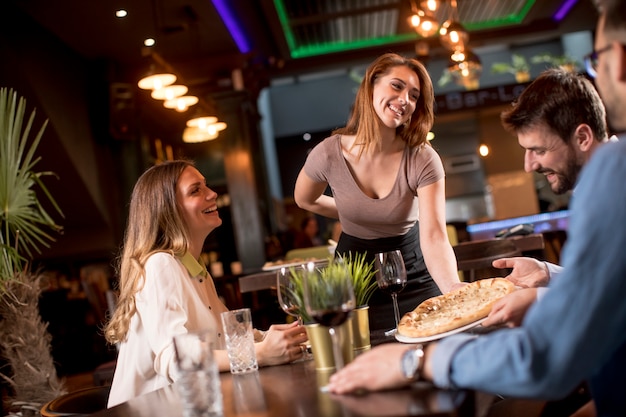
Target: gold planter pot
[[361, 330], [322, 347]]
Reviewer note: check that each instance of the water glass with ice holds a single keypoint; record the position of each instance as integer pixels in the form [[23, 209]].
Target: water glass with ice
[[240, 340]]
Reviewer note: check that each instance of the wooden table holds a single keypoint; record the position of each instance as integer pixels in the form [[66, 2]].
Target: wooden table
[[293, 390]]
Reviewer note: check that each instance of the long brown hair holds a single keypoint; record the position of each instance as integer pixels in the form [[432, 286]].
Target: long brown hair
[[154, 225], [363, 120]]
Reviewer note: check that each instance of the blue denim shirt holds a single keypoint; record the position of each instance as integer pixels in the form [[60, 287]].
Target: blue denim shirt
[[575, 332]]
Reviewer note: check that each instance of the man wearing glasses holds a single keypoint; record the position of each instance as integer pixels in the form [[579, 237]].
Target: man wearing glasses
[[577, 331]]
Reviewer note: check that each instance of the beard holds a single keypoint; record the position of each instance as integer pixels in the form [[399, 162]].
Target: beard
[[566, 179]]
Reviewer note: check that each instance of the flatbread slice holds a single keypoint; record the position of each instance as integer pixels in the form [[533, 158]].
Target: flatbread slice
[[455, 309]]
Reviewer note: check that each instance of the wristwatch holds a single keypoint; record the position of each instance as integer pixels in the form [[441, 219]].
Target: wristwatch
[[412, 362]]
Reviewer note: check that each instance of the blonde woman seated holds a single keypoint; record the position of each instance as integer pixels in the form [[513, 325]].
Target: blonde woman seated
[[165, 290]]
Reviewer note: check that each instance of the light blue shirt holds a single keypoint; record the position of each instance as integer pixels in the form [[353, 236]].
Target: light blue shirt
[[553, 272], [577, 331]]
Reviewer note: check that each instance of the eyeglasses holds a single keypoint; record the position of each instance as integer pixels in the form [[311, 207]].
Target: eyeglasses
[[591, 61]]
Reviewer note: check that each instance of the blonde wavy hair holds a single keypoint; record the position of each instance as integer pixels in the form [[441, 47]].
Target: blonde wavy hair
[[363, 120], [154, 225]]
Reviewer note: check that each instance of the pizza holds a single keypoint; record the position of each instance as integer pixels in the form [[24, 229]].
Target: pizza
[[455, 309]]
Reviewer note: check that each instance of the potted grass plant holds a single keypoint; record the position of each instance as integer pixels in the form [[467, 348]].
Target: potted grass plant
[[364, 284], [25, 344]]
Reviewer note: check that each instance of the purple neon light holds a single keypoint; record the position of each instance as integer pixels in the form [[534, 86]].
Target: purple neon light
[[232, 24], [564, 9]]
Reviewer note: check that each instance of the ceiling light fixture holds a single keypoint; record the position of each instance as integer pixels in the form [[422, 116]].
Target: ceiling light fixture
[[430, 5], [202, 128], [170, 92], [156, 80], [425, 24], [215, 128], [201, 121], [180, 104], [467, 71], [196, 135], [453, 34]]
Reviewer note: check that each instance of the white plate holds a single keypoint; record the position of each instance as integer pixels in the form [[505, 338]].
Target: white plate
[[406, 339], [271, 266]]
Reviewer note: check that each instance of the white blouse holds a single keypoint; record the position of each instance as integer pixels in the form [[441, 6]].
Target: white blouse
[[171, 302]]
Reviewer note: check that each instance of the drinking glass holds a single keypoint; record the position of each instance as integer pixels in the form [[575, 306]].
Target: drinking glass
[[289, 297], [239, 334], [329, 299], [198, 383], [391, 278]]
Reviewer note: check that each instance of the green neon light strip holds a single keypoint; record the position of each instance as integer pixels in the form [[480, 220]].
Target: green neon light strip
[[303, 51]]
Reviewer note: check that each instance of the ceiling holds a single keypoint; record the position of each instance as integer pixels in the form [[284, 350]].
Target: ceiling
[[279, 37]]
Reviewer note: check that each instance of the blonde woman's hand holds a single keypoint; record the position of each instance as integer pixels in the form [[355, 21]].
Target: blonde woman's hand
[[282, 343]]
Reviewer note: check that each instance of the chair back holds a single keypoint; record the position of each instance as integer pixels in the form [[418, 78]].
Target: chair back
[[78, 403], [476, 257]]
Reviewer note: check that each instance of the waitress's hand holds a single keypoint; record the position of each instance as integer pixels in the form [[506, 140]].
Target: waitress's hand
[[282, 343]]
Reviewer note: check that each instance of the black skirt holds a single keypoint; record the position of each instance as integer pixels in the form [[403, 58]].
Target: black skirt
[[420, 285]]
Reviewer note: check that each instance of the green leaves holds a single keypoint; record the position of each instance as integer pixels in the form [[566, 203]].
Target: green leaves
[[25, 224], [363, 277], [362, 274], [518, 64]]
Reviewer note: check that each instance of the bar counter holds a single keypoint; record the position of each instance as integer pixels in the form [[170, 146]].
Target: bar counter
[[293, 390]]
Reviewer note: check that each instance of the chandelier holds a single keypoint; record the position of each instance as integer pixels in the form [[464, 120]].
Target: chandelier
[[464, 66]]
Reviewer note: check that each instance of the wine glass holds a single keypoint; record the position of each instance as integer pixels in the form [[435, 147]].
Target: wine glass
[[289, 298], [329, 299], [391, 278]]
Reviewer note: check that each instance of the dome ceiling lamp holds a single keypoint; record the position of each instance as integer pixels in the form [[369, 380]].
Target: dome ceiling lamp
[[170, 92], [196, 135], [181, 104], [162, 85], [201, 121], [154, 80], [202, 128]]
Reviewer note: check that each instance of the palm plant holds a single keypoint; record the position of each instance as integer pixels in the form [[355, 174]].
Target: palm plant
[[25, 222], [25, 226]]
